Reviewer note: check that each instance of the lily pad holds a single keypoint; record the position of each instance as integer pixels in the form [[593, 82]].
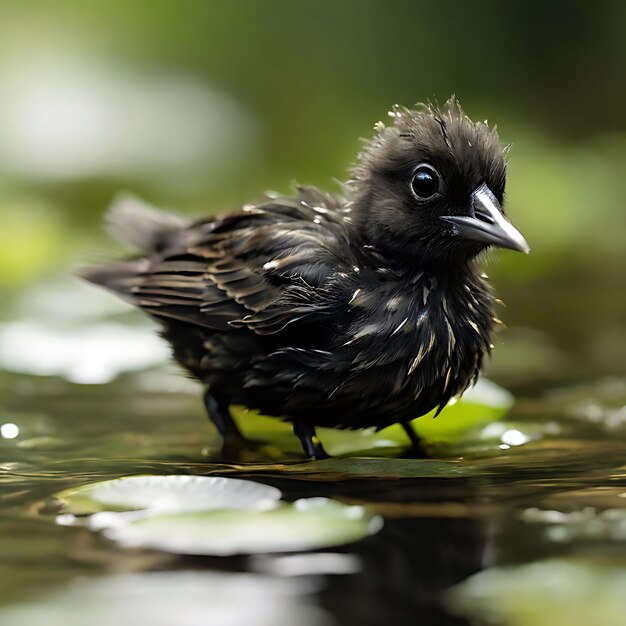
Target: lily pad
[[168, 494], [304, 525], [211, 515], [555, 591], [485, 402]]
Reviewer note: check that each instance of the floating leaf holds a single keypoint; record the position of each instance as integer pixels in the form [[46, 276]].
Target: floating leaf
[[556, 591], [304, 525], [212, 515], [483, 403], [168, 494]]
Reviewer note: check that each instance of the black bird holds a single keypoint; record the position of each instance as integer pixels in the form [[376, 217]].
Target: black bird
[[349, 311]]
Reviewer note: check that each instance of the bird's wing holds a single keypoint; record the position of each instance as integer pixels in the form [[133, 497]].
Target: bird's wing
[[263, 268]]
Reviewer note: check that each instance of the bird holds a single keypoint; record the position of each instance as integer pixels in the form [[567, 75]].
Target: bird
[[353, 309]]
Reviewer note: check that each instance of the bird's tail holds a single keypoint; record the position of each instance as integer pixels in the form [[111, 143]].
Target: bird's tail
[[142, 227], [121, 277]]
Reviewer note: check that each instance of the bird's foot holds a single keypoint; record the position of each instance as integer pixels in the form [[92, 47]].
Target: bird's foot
[[417, 449], [220, 416], [235, 447], [241, 450], [311, 445]]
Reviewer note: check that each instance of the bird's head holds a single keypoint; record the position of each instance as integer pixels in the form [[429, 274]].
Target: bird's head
[[431, 186]]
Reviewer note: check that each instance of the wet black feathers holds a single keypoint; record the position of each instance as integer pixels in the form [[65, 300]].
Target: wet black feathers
[[346, 311]]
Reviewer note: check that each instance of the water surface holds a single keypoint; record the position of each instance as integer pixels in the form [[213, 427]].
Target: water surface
[[555, 494]]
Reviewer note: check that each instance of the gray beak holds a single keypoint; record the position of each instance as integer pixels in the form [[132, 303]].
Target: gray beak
[[488, 224]]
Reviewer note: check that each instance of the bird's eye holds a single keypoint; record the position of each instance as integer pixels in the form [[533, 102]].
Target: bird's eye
[[425, 181]]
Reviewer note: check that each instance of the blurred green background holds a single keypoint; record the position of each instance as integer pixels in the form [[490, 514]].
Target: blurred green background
[[201, 105]]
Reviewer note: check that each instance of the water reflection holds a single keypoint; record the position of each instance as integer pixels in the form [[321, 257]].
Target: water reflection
[[177, 598], [406, 571]]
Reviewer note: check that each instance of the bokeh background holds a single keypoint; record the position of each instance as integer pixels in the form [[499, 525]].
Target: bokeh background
[[200, 106]]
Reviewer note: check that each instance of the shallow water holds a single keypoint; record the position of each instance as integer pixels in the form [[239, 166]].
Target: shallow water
[[478, 504]]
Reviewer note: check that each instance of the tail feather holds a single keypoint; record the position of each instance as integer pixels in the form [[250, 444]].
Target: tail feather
[[142, 226], [118, 277]]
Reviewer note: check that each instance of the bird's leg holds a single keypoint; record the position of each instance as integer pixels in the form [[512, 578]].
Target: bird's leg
[[417, 447], [310, 443], [220, 416]]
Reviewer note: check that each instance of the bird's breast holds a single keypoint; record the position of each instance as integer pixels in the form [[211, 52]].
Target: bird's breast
[[410, 348], [392, 351]]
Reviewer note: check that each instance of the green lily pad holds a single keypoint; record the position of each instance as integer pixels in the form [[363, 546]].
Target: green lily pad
[[304, 525], [544, 593], [485, 402], [211, 515], [168, 494]]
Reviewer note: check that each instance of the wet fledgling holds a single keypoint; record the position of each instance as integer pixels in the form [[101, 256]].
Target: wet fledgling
[[350, 311]]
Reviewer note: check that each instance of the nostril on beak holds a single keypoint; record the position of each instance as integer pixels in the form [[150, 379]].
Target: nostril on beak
[[481, 214]]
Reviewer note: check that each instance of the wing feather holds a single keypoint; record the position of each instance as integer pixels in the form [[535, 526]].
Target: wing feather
[[264, 268]]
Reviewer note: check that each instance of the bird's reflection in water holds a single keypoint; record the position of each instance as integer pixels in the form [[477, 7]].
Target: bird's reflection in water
[[405, 571]]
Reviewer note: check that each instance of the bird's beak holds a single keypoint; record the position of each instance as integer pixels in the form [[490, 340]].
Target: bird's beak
[[488, 224]]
